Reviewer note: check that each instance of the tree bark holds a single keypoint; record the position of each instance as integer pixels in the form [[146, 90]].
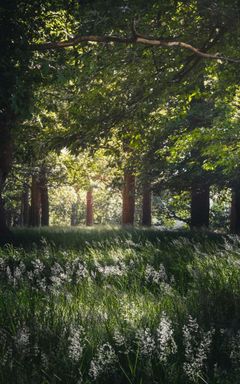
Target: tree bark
[[199, 207], [35, 203], [3, 224], [147, 205], [25, 206], [44, 198], [235, 210], [128, 207], [89, 210], [5, 166]]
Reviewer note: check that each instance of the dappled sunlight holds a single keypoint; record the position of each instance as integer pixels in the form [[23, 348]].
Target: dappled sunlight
[[119, 192]]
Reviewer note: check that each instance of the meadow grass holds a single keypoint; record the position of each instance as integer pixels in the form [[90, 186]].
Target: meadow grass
[[79, 237], [119, 306]]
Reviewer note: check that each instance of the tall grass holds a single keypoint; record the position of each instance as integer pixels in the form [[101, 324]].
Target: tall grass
[[79, 237], [135, 307]]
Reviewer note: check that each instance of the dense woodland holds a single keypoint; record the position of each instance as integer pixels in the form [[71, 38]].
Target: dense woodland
[[117, 116], [114, 98]]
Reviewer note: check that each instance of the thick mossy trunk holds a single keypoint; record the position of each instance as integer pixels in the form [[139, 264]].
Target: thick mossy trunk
[[147, 205], [35, 203], [5, 166], [25, 206], [44, 198], [128, 207], [89, 209], [235, 210], [199, 207]]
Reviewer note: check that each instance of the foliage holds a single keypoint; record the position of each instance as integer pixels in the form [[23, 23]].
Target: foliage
[[107, 206], [173, 121]]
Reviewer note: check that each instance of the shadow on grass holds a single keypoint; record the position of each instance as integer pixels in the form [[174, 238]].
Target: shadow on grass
[[81, 237]]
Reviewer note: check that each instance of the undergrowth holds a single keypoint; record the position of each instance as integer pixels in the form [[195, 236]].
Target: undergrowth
[[134, 307]]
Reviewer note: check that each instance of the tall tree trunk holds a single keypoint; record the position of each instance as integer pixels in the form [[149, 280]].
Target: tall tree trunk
[[128, 207], [199, 207], [147, 205], [5, 166], [35, 203], [235, 210], [89, 210], [44, 198], [25, 206], [3, 224]]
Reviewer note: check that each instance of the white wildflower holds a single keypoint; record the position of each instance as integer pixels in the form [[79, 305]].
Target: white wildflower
[[131, 243], [145, 341], [103, 362], [30, 275], [166, 345], [81, 271], [119, 339], [42, 284], [235, 350], [112, 270], [38, 266], [197, 345], [103, 316], [17, 275], [162, 273], [22, 339], [76, 343], [2, 264], [155, 276], [58, 276], [22, 267], [9, 275], [121, 342]]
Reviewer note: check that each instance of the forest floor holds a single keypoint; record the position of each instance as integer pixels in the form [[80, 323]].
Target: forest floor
[[119, 306]]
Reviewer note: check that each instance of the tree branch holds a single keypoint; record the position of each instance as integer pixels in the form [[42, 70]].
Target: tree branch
[[135, 39], [193, 60], [173, 215]]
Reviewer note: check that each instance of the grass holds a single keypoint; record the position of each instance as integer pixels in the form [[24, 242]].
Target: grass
[[119, 306], [79, 237]]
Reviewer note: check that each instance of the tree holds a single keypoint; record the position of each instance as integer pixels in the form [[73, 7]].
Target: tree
[[128, 208], [147, 205], [136, 38], [89, 207], [89, 173], [17, 27], [43, 186], [25, 206], [129, 95], [35, 213]]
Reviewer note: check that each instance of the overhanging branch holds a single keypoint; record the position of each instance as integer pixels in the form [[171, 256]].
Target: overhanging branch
[[135, 39]]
